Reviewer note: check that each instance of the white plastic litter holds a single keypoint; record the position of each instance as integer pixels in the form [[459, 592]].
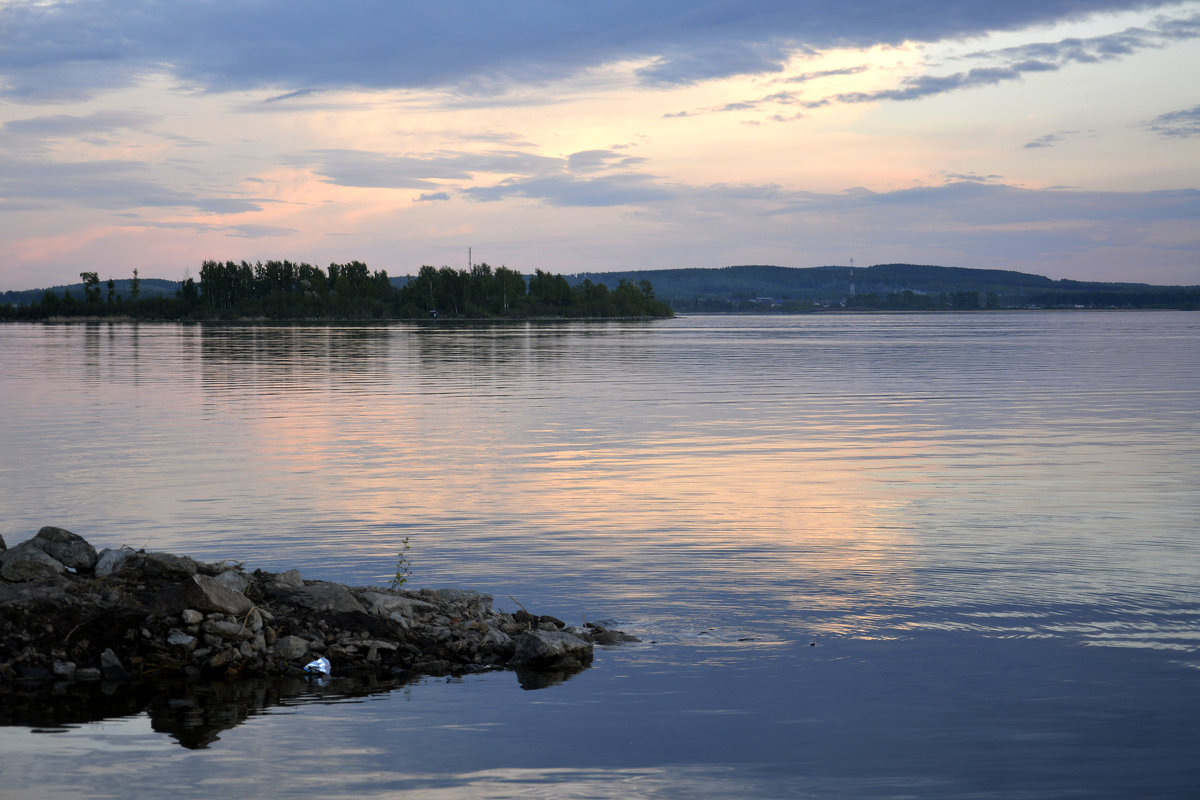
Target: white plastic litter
[[321, 666]]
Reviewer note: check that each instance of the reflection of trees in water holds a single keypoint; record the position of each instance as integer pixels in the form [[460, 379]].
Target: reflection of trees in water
[[193, 713]]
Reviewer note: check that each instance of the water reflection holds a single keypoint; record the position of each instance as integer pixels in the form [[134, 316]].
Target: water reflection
[[194, 714]]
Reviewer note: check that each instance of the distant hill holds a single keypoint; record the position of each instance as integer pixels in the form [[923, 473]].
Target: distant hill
[[150, 287], [762, 288], [886, 286]]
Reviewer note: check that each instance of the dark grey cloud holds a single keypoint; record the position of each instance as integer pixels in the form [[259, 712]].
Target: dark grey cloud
[[66, 125], [1012, 63], [105, 185], [826, 73], [1182, 124], [433, 196], [375, 170], [567, 190], [56, 51]]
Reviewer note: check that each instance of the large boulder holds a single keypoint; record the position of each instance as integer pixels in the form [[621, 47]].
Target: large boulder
[[68, 548], [319, 596], [205, 593], [26, 562], [534, 649]]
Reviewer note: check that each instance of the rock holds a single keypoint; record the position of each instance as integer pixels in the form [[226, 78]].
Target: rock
[[66, 547], [164, 565], [227, 630], [233, 580], [388, 604], [110, 562], [290, 579], [291, 647], [27, 562], [191, 616], [3, 546], [64, 669], [202, 592], [111, 667], [87, 674], [177, 638], [543, 648], [319, 596], [476, 603]]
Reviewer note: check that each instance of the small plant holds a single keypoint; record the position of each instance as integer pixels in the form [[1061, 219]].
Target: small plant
[[403, 567]]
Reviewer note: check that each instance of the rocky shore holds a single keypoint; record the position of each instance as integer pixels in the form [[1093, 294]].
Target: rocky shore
[[71, 615]]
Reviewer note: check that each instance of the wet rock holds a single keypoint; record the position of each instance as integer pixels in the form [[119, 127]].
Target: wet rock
[[111, 667], [27, 562], [291, 648], [68, 548], [545, 648], [64, 669]]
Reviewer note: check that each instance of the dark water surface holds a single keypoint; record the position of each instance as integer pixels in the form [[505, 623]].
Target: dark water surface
[[988, 525]]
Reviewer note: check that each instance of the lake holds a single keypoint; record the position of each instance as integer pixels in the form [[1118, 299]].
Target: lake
[[868, 556]]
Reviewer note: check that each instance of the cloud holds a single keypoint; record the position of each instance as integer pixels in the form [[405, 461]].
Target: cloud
[[1015, 62], [564, 190], [1181, 124], [57, 51], [65, 125], [110, 184], [374, 170], [432, 196], [246, 231]]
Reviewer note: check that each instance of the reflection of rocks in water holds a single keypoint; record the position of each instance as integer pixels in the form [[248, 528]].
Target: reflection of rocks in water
[[194, 713]]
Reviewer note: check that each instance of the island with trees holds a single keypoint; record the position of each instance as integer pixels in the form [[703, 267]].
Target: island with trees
[[286, 290]]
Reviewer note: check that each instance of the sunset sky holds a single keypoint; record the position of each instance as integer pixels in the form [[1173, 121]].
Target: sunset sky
[[1060, 137]]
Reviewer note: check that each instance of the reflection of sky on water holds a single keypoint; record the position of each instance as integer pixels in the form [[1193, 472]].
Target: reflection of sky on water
[[945, 505]]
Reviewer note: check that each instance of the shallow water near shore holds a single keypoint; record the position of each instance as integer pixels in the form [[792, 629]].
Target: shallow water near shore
[[870, 556]]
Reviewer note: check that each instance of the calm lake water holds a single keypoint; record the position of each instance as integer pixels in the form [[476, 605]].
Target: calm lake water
[[875, 556]]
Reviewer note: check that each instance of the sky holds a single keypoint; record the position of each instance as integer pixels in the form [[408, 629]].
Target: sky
[[1058, 137]]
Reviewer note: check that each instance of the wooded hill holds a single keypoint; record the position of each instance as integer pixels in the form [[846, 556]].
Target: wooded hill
[[888, 286]]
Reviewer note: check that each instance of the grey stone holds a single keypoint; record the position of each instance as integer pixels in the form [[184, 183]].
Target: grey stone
[[203, 593], [87, 674], [64, 669], [227, 630], [111, 667], [27, 562], [290, 579], [177, 638], [165, 565], [233, 580], [534, 648], [475, 602], [191, 616], [387, 604], [110, 562], [69, 548], [291, 647], [320, 596]]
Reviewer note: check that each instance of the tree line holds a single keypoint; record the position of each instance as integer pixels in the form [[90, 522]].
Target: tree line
[[286, 290]]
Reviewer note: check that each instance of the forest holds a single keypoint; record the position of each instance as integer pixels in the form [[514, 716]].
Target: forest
[[285, 290]]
